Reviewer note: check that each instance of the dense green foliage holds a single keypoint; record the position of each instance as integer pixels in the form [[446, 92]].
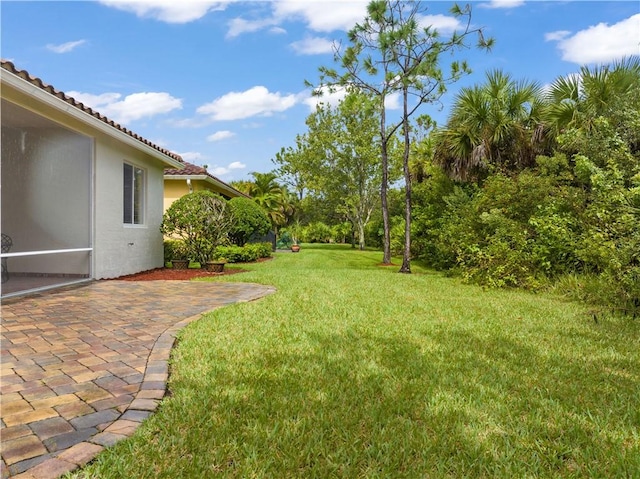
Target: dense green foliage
[[350, 370], [243, 254], [201, 220], [249, 220], [573, 211], [275, 199], [174, 249]]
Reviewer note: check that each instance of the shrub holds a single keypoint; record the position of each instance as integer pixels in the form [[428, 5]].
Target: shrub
[[243, 254], [201, 220], [317, 232], [342, 232], [174, 249], [249, 220], [263, 249], [397, 236]]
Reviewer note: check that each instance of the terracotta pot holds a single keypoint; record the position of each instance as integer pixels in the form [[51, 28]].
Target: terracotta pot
[[295, 248], [180, 263]]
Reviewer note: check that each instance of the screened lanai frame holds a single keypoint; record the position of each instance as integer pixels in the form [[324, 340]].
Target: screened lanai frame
[[46, 184]]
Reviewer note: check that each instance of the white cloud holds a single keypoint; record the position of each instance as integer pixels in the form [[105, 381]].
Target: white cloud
[[130, 108], [442, 23], [557, 35], [602, 43], [503, 4], [392, 102], [169, 11], [328, 97], [318, 16], [95, 101], [277, 31], [257, 101], [313, 46], [65, 47], [238, 26], [221, 135], [192, 156], [236, 165], [225, 170], [322, 16]]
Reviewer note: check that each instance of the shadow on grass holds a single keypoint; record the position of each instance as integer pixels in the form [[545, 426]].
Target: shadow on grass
[[360, 405]]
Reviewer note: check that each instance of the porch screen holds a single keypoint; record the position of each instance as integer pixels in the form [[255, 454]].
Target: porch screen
[[46, 198]]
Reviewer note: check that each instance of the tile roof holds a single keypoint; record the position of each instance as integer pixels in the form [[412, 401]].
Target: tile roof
[[189, 169], [194, 170], [10, 67]]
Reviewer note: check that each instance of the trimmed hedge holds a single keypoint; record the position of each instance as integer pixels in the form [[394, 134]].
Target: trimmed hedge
[[243, 254]]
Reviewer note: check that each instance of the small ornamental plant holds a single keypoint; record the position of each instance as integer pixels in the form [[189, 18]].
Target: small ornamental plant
[[202, 220]]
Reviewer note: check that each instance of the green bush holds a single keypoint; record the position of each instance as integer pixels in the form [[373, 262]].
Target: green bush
[[342, 232], [512, 231], [397, 235], [174, 249], [249, 220], [201, 220], [243, 254], [317, 232]]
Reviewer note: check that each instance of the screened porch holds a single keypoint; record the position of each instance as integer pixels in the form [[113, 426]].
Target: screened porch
[[46, 203]]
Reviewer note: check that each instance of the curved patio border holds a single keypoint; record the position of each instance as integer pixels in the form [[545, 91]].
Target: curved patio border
[[37, 440]]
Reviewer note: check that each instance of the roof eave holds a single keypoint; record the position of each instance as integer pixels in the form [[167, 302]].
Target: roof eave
[[208, 179]]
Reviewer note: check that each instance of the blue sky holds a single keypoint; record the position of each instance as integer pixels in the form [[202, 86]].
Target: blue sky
[[222, 82]]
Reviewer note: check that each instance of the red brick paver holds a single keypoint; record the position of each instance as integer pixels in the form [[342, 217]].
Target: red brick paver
[[82, 367]]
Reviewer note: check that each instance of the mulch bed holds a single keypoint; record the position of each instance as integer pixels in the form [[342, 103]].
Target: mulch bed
[[180, 274], [176, 274]]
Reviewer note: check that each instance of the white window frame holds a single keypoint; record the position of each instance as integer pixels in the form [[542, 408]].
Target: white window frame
[[139, 185]]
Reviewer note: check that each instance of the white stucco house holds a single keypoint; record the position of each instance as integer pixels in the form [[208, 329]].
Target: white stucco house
[[81, 196]]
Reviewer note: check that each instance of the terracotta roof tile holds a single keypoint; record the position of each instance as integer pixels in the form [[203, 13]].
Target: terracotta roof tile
[[25, 75], [188, 170]]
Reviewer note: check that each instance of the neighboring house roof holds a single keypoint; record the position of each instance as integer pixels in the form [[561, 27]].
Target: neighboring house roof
[[195, 172], [168, 157]]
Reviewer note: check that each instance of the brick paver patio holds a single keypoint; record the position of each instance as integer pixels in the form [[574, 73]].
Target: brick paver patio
[[82, 367]]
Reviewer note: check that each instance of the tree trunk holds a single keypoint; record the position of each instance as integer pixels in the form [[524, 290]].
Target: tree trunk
[[406, 256], [386, 242]]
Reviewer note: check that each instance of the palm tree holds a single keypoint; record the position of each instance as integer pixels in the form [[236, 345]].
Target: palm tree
[[276, 200], [497, 125], [576, 100]]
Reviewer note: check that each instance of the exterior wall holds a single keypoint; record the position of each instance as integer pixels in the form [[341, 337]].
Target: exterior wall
[[174, 189], [117, 249], [121, 249]]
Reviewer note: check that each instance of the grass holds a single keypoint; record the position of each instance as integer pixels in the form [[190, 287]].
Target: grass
[[354, 370]]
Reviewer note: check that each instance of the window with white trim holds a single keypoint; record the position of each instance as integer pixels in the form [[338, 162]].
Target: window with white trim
[[134, 194]]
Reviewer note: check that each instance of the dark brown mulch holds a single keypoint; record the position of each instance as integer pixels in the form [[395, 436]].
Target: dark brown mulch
[[181, 274], [176, 274]]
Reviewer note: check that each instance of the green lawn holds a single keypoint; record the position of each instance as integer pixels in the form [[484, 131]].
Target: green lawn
[[354, 370]]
